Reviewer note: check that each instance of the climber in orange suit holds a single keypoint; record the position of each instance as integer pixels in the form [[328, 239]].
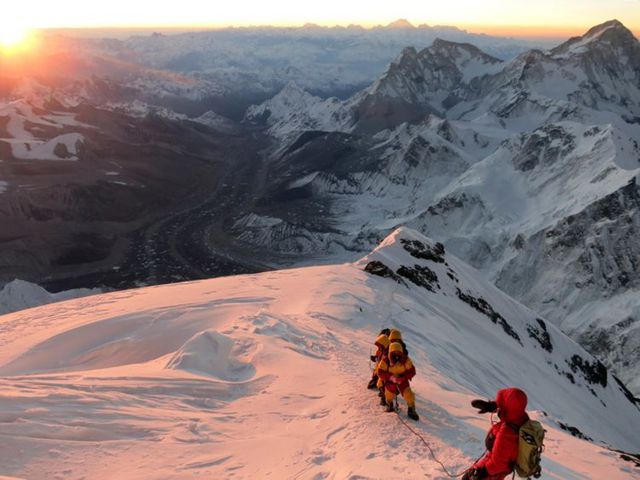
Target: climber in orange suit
[[395, 371]]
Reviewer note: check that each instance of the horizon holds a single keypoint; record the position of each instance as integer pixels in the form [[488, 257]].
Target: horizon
[[525, 32], [513, 18], [212, 211]]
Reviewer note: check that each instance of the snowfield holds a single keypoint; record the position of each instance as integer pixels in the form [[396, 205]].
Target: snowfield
[[262, 376]]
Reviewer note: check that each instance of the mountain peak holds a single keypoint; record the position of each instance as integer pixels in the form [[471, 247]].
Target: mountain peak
[[401, 23], [608, 31], [612, 32], [447, 47], [616, 24], [406, 53], [293, 89]]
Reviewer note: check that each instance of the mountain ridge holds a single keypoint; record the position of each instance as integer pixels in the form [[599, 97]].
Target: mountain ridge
[[224, 364]]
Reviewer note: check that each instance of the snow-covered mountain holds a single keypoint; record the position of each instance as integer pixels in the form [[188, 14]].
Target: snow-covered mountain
[[525, 168], [19, 295], [264, 375], [597, 72], [258, 60], [294, 110], [414, 84], [422, 82]]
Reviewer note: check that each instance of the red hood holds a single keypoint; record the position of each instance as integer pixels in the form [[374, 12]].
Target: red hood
[[512, 403]]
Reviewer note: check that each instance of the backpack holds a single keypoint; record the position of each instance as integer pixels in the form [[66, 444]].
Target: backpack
[[530, 448]]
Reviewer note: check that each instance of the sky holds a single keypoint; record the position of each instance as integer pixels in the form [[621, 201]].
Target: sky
[[514, 17]]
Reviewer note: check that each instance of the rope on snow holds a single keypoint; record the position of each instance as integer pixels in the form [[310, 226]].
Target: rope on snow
[[433, 455], [404, 422]]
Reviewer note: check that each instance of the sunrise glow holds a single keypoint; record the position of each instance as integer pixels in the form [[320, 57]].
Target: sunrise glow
[[13, 36], [513, 17]]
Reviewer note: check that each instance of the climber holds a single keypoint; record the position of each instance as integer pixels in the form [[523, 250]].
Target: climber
[[395, 371], [503, 437], [396, 336], [382, 343]]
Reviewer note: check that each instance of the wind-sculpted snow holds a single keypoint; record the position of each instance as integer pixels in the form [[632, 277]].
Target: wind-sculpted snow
[[264, 375], [210, 353]]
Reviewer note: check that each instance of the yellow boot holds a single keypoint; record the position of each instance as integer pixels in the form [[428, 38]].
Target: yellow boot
[[410, 398], [390, 398]]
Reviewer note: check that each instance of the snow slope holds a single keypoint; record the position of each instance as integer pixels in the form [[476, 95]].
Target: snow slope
[[264, 375]]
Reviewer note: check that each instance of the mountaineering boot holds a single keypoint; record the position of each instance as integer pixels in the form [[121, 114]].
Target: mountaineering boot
[[390, 407], [411, 412], [373, 383]]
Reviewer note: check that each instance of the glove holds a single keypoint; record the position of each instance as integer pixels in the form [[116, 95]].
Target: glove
[[373, 358], [484, 406], [476, 474]]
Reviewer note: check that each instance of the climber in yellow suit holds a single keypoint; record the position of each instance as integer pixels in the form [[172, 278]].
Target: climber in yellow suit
[[395, 371], [394, 335], [382, 344]]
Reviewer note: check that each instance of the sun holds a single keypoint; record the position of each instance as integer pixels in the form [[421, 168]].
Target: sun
[[12, 36]]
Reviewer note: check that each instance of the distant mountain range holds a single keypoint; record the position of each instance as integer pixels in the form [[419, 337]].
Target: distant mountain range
[[231, 68]]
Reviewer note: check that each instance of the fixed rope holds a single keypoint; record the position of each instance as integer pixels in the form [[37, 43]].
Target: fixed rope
[[409, 427], [433, 454]]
